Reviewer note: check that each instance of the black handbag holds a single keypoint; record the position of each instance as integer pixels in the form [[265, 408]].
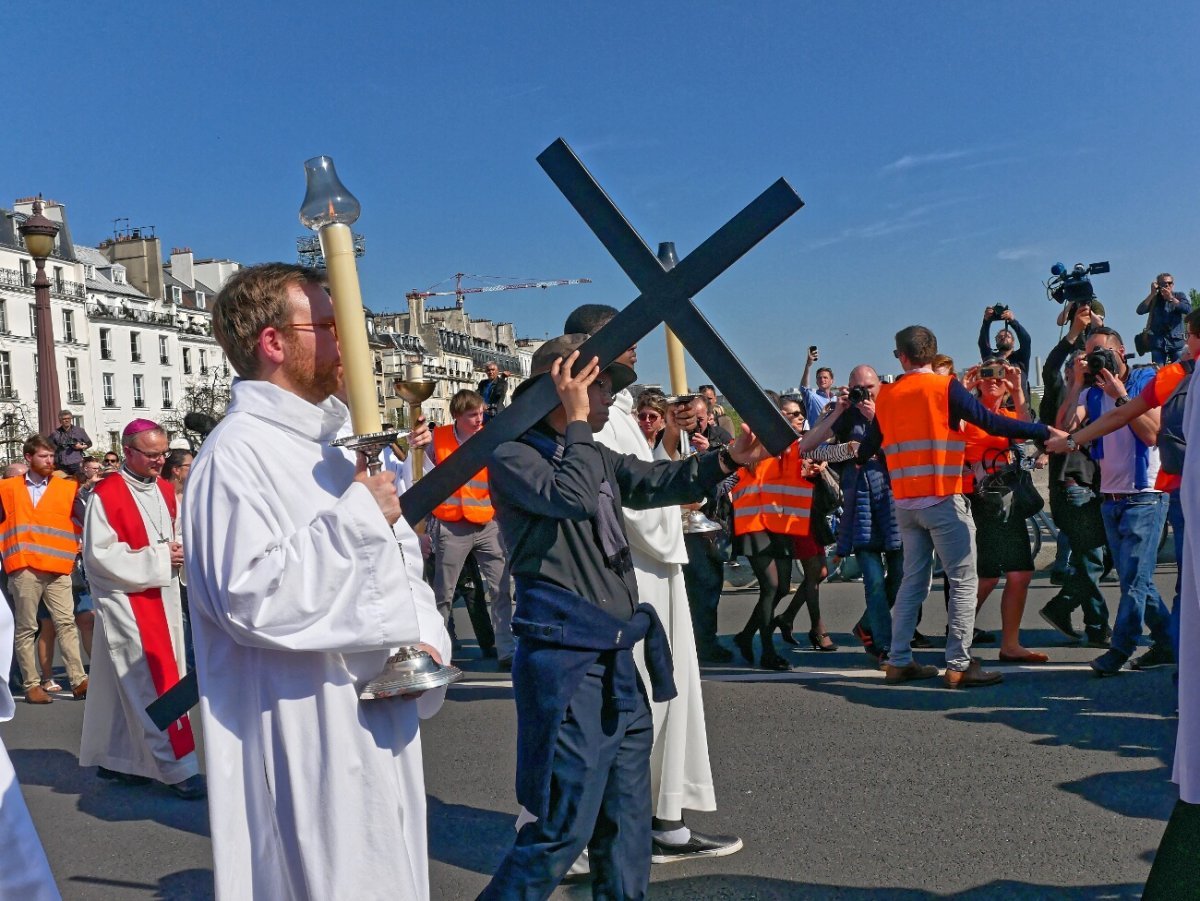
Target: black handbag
[[1008, 493]]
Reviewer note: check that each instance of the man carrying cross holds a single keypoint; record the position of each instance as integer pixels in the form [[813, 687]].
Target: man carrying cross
[[584, 729]]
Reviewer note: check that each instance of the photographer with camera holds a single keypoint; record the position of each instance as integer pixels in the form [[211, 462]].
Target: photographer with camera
[[1006, 339], [493, 389], [1134, 510], [1166, 308], [816, 401]]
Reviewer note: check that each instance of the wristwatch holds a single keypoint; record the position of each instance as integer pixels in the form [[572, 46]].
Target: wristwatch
[[1072, 444], [1121, 401]]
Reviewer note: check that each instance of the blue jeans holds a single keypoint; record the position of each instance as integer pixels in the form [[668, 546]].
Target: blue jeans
[[880, 588], [599, 800], [1134, 525], [948, 529]]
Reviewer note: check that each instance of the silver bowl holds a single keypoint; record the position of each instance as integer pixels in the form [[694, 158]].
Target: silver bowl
[[409, 671]]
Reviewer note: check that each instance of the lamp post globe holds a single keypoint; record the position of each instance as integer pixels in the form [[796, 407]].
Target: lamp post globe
[[39, 233]]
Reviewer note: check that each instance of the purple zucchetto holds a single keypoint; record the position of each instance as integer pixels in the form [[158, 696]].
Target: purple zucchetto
[[137, 427]]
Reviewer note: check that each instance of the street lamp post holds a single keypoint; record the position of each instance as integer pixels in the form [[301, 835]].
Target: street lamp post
[[39, 233]]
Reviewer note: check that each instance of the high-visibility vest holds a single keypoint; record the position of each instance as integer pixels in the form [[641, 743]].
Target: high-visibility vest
[[775, 497], [472, 501], [42, 537], [924, 455], [990, 451]]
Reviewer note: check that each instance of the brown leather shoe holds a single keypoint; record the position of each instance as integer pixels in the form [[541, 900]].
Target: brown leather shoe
[[973, 676], [80, 690], [894, 675], [35, 694]]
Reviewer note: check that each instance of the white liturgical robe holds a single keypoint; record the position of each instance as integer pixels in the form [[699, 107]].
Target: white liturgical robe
[[24, 870], [680, 773], [299, 591], [1187, 743], [117, 732]]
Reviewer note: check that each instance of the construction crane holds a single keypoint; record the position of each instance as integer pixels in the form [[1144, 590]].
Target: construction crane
[[459, 291]]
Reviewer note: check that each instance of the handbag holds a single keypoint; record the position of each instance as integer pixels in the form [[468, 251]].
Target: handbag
[[1143, 341], [1008, 493]]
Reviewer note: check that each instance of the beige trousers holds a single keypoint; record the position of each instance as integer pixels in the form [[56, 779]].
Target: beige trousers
[[28, 587]]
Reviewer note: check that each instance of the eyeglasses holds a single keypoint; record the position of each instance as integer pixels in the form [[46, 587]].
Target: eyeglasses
[[161, 455], [1168, 284], [648, 417], [896, 354], [312, 326], [794, 414]]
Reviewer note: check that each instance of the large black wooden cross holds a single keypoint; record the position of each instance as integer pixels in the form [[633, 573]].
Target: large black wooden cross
[[666, 296]]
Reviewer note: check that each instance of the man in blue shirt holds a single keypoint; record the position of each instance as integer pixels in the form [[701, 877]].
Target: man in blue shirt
[[816, 401], [1167, 309]]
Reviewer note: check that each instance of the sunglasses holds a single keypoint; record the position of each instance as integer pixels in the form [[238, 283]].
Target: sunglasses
[[794, 414], [648, 417]]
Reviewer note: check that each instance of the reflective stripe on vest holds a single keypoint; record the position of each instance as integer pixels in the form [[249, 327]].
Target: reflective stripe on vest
[[924, 455], [473, 501], [41, 537]]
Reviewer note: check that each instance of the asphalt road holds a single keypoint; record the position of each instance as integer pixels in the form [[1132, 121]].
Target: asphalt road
[[1054, 784]]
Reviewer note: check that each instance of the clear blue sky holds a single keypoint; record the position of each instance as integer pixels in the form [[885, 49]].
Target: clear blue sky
[[948, 153]]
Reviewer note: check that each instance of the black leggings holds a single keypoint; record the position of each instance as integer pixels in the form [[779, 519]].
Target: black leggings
[[774, 576]]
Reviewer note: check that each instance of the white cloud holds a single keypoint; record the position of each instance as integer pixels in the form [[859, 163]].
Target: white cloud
[[1015, 254], [912, 161]]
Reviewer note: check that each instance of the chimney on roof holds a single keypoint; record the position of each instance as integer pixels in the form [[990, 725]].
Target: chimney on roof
[[142, 258], [182, 267]]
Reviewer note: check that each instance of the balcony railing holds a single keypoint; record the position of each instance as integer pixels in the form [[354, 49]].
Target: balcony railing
[[105, 354], [164, 359], [110, 402], [11, 278], [139, 403], [167, 405], [135, 357], [75, 397]]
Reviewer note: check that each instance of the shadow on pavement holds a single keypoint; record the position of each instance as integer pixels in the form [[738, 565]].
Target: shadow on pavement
[[1131, 720], [60, 771], [467, 837], [193, 885]]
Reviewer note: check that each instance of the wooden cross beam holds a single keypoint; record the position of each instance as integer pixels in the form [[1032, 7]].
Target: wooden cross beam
[[665, 297]]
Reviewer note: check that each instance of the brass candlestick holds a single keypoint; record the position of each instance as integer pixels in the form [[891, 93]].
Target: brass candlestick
[[330, 209], [414, 390]]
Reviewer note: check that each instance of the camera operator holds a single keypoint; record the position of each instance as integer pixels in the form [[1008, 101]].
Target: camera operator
[[1006, 339], [1134, 510], [494, 389], [868, 526], [1074, 501], [1166, 308]]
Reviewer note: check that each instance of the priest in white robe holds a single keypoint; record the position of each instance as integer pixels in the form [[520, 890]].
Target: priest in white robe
[[24, 870], [132, 555], [1175, 873], [300, 588], [680, 772]]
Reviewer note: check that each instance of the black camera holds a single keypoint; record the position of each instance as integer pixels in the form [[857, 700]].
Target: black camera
[[1073, 286], [1100, 358], [992, 371], [997, 311], [859, 394]]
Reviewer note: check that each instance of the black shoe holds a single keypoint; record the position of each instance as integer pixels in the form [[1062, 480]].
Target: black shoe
[[193, 788], [1109, 663], [774, 662], [981, 637], [1102, 640], [785, 630], [817, 639], [504, 665], [715, 654], [699, 845], [1158, 655], [488, 653], [745, 644], [1060, 622], [919, 641], [124, 778]]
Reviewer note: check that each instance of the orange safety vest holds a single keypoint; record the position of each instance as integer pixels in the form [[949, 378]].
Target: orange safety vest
[[983, 448], [924, 455], [775, 497], [473, 501], [42, 537]]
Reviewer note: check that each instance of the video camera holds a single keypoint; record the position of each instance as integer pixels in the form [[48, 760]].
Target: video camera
[[1073, 286]]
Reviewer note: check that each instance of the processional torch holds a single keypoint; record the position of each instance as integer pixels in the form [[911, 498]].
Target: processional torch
[[330, 209], [693, 520]]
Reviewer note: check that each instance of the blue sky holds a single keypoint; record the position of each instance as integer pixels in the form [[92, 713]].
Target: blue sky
[[948, 153]]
